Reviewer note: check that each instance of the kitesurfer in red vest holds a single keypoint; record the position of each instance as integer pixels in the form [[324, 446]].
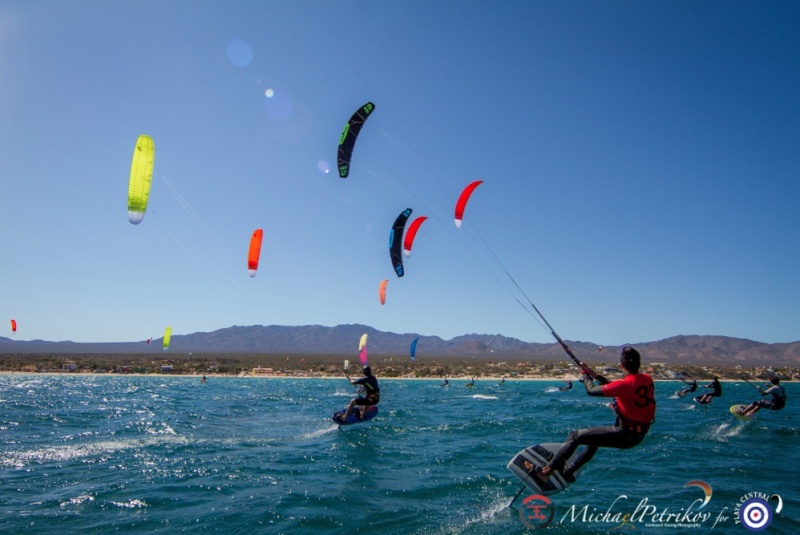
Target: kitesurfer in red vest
[[635, 406]]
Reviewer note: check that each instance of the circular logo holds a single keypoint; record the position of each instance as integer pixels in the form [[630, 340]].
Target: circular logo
[[755, 514], [537, 511]]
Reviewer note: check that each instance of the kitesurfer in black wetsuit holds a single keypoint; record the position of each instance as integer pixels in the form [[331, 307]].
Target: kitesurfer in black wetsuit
[[705, 399], [567, 386], [776, 403], [691, 388], [372, 396]]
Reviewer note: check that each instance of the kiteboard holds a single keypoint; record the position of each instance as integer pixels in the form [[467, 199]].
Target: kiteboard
[[353, 418], [528, 461], [736, 410], [697, 399]]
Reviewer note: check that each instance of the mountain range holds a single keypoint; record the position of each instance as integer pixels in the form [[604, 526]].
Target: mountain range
[[343, 340]]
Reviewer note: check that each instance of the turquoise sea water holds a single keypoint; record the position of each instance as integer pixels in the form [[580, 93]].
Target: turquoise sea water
[[137, 454]]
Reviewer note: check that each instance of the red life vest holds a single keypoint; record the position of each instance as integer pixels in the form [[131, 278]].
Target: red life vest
[[635, 395]]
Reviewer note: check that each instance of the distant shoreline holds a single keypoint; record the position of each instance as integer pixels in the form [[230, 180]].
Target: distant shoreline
[[340, 377], [275, 376]]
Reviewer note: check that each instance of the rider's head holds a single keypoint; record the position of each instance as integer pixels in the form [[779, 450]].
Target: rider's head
[[630, 359]]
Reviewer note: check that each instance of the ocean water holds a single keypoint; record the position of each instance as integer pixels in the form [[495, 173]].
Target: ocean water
[[138, 454]]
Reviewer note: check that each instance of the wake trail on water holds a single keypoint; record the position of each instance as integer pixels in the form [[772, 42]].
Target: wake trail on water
[[21, 459], [320, 432], [725, 430], [499, 506]]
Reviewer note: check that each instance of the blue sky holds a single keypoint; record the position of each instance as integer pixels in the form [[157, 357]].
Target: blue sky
[[640, 164]]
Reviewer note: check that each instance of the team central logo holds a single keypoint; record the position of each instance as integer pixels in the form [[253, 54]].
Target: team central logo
[[754, 512]]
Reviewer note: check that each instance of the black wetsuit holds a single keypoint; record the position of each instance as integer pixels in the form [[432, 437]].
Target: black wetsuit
[[715, 394], [370, 384], [691, 388]]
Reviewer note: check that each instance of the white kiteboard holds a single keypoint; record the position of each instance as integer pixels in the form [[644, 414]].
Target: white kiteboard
[[525, 464]]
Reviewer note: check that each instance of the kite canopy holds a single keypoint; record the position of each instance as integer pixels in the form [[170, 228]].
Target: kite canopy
[[414, 350], [141, 178], [362, 350], [13, 326], [382, 291], [396, 239], [167, 336], [411, 234], [255, 252], [462, 201], [349, 136]]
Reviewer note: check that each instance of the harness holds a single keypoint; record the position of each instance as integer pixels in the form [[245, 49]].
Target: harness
[[372, 396], [633, 426], [629, 425]]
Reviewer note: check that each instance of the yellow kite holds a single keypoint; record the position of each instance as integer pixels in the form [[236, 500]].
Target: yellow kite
[[167, 336], [141, 178]]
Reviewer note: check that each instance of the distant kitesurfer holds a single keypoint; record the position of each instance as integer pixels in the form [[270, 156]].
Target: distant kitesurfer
[[445, 382], [635, 407], [372, 394], [705, 399], [471, 382], [691, 388], [203, 380], [502, 380], [567, 386], [777, 402]]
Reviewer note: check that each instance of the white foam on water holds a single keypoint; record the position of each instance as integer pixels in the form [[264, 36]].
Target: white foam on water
[[497, 506], [725, 430], [83, 498], [21, 459], [130, 504], [320, 432]]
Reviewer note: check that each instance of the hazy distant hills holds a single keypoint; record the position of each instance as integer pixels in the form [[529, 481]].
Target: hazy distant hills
[[343, 340]]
